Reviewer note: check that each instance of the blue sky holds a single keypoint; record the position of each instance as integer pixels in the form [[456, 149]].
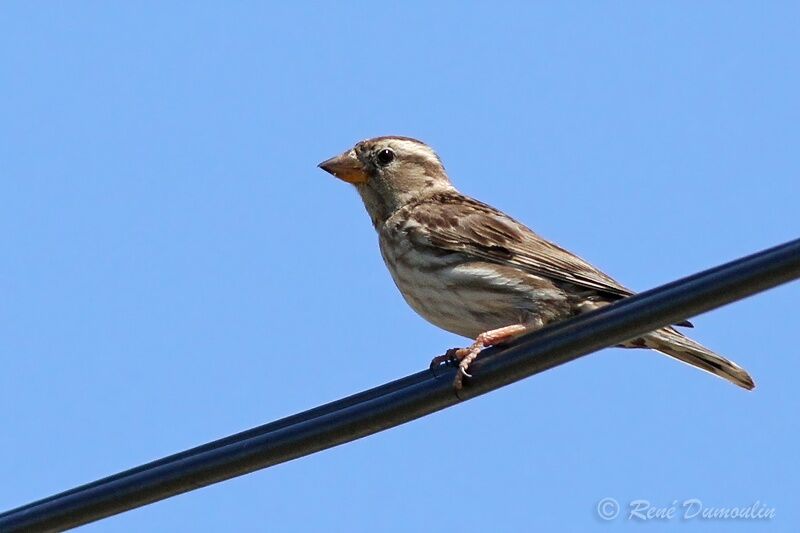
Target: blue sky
[[175, 268]]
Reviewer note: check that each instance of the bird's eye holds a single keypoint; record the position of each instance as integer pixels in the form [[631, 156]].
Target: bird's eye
[[385, 157]]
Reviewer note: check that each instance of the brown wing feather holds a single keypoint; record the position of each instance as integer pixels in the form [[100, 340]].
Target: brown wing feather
[[457, 223], [461, 224]]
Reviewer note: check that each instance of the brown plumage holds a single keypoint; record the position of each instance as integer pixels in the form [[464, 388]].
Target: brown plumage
[[473, 270]]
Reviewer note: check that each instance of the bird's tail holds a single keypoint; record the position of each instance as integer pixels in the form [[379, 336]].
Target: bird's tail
[[670, 342]]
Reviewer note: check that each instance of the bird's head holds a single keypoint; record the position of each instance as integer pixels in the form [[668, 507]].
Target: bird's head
[[390, 172]]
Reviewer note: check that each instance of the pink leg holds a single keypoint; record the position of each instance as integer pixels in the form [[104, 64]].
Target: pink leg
[[488, 338]]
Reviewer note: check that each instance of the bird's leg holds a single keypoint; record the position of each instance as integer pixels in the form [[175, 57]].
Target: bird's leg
[[488, 338]]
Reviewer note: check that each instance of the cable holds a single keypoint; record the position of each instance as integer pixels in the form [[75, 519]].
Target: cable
[[408, 398]]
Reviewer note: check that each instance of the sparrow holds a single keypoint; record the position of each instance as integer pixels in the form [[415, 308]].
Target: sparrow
[[470, 269]]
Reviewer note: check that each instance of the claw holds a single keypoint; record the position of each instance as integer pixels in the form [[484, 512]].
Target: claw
[[438, 360], [450, 356]]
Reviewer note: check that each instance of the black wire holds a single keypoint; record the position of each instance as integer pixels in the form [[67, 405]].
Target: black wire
[[408, 398]]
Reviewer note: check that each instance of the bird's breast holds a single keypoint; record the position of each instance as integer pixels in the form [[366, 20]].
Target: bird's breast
[[460, 295]]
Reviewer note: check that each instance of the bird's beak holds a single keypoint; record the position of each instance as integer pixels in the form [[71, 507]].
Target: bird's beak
[[346, 167]]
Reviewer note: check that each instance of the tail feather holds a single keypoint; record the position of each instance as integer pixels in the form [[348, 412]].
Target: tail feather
[[671, 343]]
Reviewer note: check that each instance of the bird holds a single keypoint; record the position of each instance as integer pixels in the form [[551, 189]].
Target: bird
[[473, 270]]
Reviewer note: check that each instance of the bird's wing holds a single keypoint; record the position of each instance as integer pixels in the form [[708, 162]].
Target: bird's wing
[[460, 224]]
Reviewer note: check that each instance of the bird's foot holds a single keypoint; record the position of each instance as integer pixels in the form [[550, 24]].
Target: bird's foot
[[466, 356], [463, 356]]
